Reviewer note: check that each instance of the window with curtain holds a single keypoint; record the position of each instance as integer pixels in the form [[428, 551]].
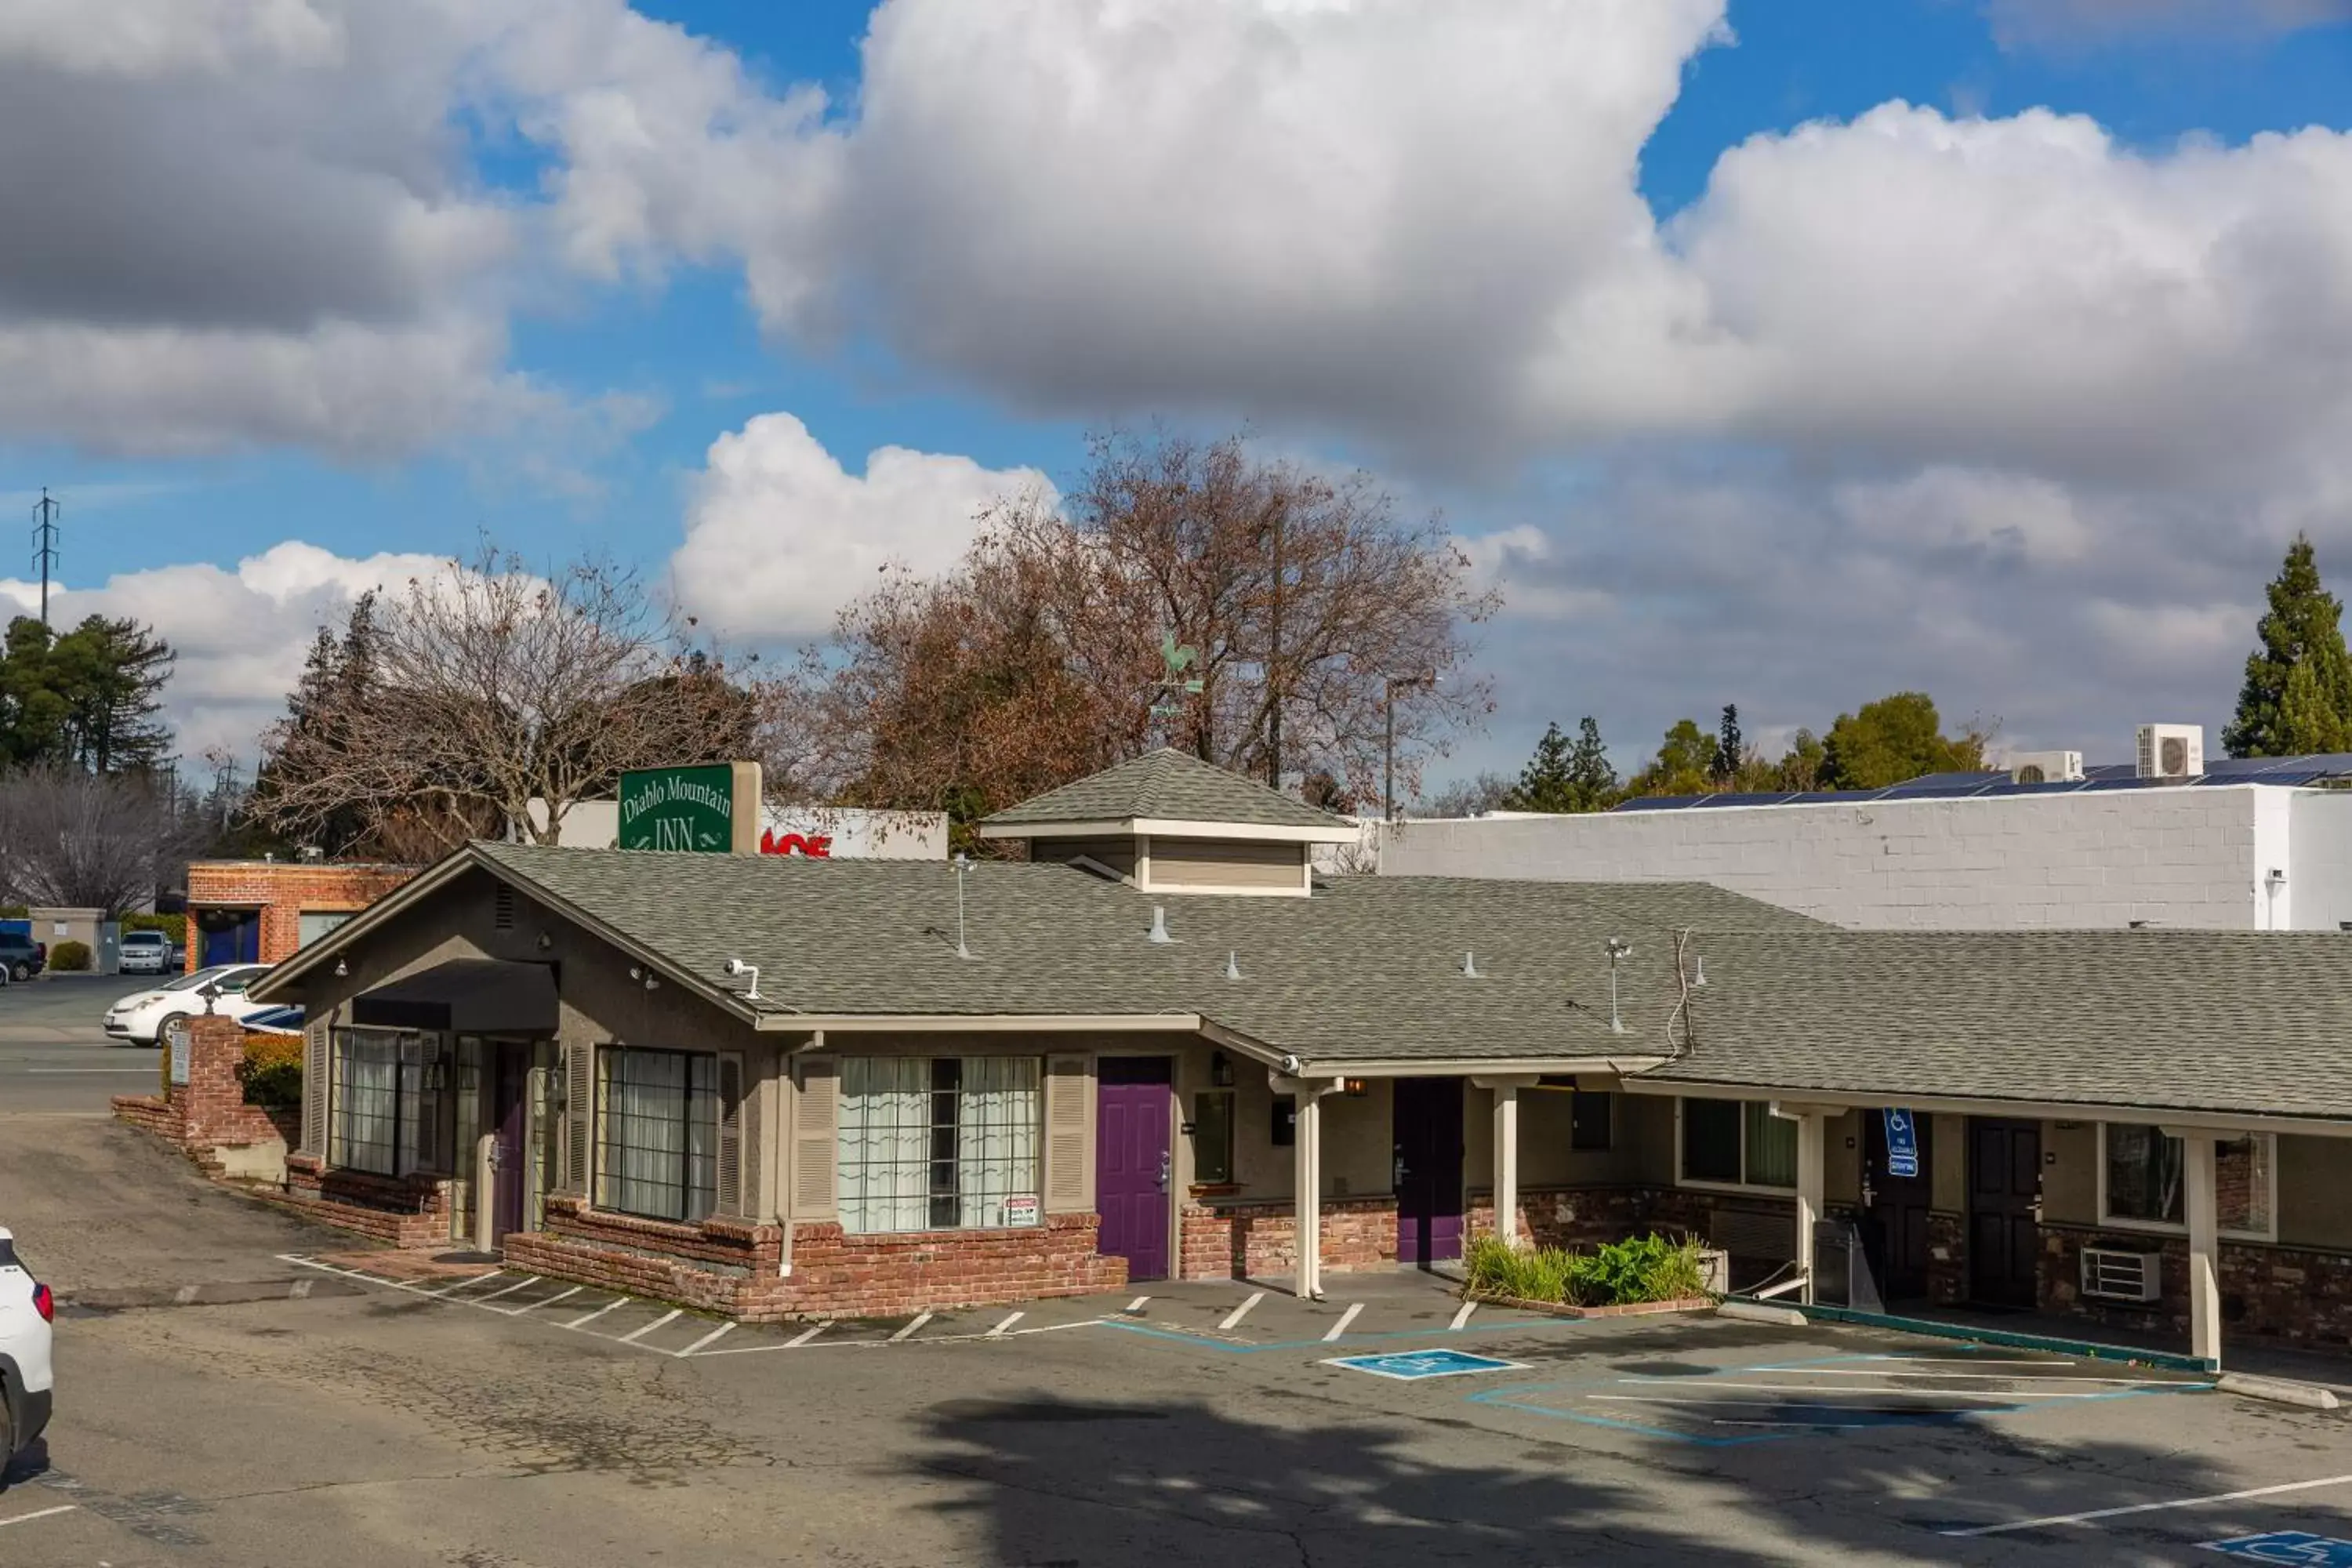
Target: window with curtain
[[2147, 1179], [936, 1142], [1739, 1142], [657, 1133], [386, 1102]]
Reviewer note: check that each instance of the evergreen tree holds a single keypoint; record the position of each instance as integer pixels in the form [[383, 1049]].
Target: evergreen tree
[[1682, 762], [2298, 695], [1592, 782], [1730, 753], [89, 698], [1548, 782]]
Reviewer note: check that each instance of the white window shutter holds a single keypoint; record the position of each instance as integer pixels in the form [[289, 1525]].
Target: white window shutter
[[316, 1079], [817, 1140], [1068, 1126]]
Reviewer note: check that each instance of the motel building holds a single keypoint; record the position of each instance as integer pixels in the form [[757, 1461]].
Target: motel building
[[1164, 1046]]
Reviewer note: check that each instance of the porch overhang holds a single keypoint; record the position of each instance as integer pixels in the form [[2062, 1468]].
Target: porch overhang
[[1819, 1099], [466, 996]]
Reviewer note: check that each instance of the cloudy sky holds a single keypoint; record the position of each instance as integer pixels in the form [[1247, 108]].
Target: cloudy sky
[[1776, 352]]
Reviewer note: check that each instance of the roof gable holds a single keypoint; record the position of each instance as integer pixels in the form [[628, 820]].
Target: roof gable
[[1165, 785]]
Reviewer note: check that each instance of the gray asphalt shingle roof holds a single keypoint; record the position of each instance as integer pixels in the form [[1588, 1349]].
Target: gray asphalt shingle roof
[[1165, 785], [2255, 1022], [1368, 968]]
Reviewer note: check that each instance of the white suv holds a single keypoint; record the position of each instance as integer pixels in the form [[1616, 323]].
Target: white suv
[[144, 953], [26, 1310]]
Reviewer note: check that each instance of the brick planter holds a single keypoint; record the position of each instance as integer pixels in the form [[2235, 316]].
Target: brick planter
[[1255, 1240], [405, 1210]]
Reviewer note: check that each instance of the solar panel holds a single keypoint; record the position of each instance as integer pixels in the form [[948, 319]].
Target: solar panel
[[1773, 797], [1662, 803]]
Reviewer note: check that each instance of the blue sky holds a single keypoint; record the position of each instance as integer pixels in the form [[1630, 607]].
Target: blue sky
[[1607, 529]]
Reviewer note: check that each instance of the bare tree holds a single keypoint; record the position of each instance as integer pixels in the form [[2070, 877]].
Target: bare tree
[[82, 840], [490, 687], [1250, 612]]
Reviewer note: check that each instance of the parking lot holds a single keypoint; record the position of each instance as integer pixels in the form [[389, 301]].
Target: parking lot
[[314, 1401]]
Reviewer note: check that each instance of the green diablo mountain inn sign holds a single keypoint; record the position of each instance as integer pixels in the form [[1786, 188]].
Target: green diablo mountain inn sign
[[710, 810]]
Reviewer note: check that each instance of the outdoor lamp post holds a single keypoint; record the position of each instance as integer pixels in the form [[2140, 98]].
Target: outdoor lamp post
[[1390, 686]]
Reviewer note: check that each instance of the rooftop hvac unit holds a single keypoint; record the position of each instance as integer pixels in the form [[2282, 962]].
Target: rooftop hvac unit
[[2122, 1276], [2171, 751], [2045, 767]]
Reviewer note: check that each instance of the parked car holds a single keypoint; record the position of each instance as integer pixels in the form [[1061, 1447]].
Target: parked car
[[22, 956], [140, 1017], [274, 1021], [144, 953], [25, 1312]]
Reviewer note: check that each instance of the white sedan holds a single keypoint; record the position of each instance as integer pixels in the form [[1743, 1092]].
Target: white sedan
[[140, 1017]]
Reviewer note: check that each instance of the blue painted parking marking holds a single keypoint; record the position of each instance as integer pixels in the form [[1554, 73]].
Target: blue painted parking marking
[[1409, 1366], [2299, 1547]]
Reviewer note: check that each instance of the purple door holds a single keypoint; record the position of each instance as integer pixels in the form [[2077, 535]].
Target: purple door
[[1428, 1121], [1132, 1156], [510, 1168]]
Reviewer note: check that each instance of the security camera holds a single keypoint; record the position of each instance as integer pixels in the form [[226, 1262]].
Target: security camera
[[736, 966], [1619, 949], [1291, 1065]]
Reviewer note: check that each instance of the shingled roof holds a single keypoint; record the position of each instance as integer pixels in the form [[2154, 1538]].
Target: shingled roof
[[1165, 785]]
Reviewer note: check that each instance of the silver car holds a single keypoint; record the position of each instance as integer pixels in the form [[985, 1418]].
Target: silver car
[[144, 953]]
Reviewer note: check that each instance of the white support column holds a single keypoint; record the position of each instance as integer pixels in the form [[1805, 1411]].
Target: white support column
[[1507, 1163], [2201, 1202], [1811, 1179], [1307, 1193]]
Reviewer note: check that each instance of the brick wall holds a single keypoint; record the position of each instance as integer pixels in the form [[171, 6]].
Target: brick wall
[[1947, 1258], [208, 1116], [2286, 1294], [729, 1267], [405, 1211], [282, 890], [1255, 1240]]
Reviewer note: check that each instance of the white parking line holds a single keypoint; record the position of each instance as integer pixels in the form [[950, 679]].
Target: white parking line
[[1345, 1319], [1783, 1404], [1977, 1377], [805, 1335], [908, 1331], [42, 1513], [713, 1337], [583, 1322], [518, 1285], [1462, 1316], [1801, 1388], [534, 1306], [998, 1333], [1238, 1313], [2097, 1513], [633, 1335], [452, 1289], [1137, 1304]]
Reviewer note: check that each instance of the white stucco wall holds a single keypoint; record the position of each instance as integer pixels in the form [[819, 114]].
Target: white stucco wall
[[2194, 858], [855, 833]]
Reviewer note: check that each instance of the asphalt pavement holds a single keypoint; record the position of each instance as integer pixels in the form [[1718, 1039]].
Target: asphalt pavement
[[55, 1058]]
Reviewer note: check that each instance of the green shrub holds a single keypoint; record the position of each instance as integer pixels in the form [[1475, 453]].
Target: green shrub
[[1642, 1268], [69, 957], [272, 1071]]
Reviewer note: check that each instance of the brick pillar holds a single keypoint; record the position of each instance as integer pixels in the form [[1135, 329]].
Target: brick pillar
[[212, 1102]]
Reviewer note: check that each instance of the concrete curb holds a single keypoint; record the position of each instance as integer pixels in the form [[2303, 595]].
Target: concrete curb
[[1755, 1313], [2279, 1391], [216, 1293]]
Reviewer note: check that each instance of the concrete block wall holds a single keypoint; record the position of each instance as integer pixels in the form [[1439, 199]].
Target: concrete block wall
[[2194, 858]]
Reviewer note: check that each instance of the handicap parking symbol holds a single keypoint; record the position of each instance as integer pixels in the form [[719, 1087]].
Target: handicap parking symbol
[[1408, 1366], [2298, 1547]]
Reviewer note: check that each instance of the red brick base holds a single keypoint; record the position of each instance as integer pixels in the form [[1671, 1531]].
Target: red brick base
[[402, 1211], [2278, 1293], [1255, 1240], [731, 1268]]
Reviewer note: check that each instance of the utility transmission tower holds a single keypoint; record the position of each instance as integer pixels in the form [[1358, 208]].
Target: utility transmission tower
[[45, 546]]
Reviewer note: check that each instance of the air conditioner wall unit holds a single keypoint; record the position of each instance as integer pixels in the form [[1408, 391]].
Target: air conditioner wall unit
[[2113, 1276], [2171, 751], [2045, 767]]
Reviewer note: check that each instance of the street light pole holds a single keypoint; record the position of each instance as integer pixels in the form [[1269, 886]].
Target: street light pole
[[1389, 684]]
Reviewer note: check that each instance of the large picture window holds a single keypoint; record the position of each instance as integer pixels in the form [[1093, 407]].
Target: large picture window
[[386, 1102], [938, 1143], [657, 1133], [1737, 1142], [2143, 1180]]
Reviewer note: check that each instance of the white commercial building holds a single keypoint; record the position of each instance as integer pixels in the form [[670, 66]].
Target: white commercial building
[[819, 832], [2238, 848]]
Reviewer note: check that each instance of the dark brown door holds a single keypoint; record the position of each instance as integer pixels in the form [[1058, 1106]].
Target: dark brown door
[[2004, 1180], [1895, 1234], [1428, 1120]]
